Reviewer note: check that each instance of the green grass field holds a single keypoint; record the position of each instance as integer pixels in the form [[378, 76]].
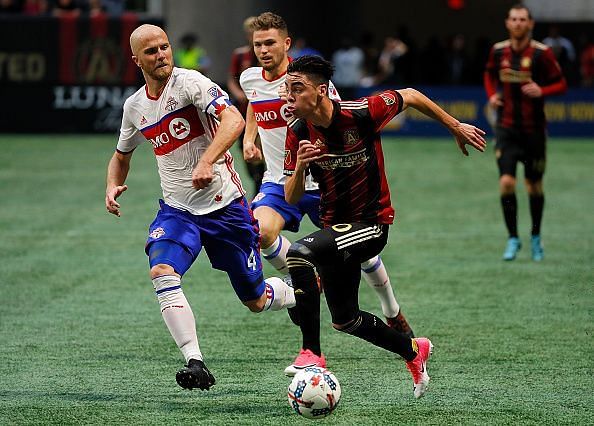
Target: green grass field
[[82, 340]]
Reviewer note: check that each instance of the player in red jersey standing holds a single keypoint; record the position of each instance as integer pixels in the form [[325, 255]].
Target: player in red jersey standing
[[520, 72], [339, 144]]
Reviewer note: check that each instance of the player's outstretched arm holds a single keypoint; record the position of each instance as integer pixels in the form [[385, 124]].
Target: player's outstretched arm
[[465, 134], [230, 127], [117, 171]]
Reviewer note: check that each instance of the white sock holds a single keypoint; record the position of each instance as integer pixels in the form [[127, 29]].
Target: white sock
[[279, 295], [178, 315], [276, 254], [376, 276]]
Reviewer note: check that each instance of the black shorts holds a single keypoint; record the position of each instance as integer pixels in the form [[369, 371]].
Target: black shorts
[[513, 146], [338, 252]]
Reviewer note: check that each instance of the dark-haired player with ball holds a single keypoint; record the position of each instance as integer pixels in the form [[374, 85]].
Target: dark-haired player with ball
[[339, 143]]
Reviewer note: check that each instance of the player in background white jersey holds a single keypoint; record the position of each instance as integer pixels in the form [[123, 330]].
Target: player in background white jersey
[[191, 124], [266, 116]]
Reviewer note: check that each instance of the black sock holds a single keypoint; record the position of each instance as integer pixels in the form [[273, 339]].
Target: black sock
[[307, 309], [509, 204], [536, 209], [369, 327], [293, 315]]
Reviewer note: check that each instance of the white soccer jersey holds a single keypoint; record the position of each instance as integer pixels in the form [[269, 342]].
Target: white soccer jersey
[[180, 125], [270, 113]]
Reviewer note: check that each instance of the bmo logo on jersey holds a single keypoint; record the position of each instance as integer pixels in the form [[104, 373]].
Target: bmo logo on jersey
[[174, 130], [179, 128], [159, 140], [266, 116], [271, 114]]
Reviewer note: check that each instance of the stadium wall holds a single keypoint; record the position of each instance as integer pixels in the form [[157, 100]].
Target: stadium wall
[[68, 74], [569, 115], [73, 75]]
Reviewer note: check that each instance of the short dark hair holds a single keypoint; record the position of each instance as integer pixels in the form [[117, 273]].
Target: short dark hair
[[520, 6], [315, 67], [268, 20]]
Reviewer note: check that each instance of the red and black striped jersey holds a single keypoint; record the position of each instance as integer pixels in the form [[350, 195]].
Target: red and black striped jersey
[[508, 70], [350, 170]]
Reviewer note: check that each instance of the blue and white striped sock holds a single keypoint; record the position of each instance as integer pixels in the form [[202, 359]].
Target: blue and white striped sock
[[276, 254]]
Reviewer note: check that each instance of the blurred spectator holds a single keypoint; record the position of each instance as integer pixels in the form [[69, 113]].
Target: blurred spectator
[[482, 47], [300, 48], [348, 68], [10, 6], [433, 63], [564, 52], [370, 58], [190, 55], [562, 47], [587, 63], [406, 63], [35, 7], [65, 8], [113, 7], [95, 8], [243, 58], [390, 68], [458, 61]]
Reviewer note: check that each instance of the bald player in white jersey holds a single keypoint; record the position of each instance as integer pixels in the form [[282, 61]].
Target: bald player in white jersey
[[267, 117], [191, 124]]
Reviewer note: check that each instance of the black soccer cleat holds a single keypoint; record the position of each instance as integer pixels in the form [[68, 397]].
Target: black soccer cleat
[[195, 375]]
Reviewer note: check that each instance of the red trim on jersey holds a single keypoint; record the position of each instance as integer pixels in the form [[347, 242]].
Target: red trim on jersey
[[160, 134], [490, 84], [274, 79], [212, 125], [68, 37], [555, 89], [210, 129], [234, 176], [152, 98], [268, 114]]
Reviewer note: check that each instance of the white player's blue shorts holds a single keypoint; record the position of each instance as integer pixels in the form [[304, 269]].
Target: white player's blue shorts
[[273, 195], [230, 236]]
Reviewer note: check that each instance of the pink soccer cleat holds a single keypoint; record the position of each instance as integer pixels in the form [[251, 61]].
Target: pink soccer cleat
[[418, 366], [306, 358]]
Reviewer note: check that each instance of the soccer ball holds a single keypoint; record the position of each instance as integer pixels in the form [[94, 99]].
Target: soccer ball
[[314, 392]]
